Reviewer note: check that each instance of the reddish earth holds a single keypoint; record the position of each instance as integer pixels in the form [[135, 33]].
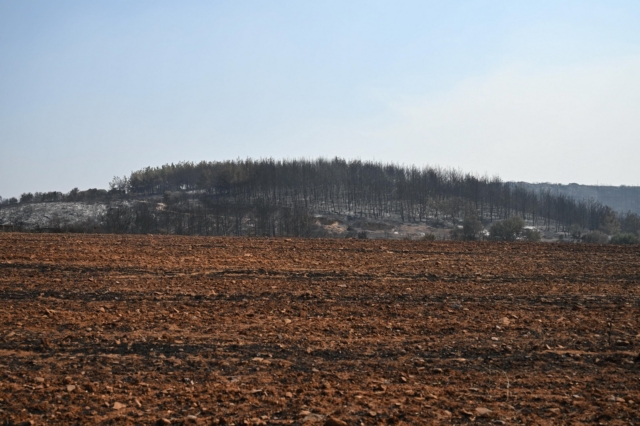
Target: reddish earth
[[145, 329]]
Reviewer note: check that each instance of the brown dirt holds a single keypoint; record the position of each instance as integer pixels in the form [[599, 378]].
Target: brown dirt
[[136, 329]]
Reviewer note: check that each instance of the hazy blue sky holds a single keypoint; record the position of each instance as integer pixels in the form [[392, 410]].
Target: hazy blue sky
[[528, 90]]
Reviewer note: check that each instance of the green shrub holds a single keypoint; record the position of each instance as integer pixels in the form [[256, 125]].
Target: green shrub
[[596, 237], [532, 235], [456, 234], [471, 228], [625, 238], [576, 231], [507, 230]]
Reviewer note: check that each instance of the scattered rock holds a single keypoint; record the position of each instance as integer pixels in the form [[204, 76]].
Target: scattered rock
[[483, 412], [313, 418], [332, 421], [331, 327]]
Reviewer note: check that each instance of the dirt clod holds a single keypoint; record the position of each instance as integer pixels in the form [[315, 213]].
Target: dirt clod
[[482, 411], [332, 421]]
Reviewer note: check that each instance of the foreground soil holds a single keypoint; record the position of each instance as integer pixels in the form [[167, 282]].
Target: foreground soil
[[145, 329]]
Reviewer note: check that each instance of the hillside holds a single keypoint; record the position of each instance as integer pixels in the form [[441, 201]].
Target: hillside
[[620, 198], [312, 198]]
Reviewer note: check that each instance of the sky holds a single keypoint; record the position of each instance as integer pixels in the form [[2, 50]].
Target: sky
[[544, 91]]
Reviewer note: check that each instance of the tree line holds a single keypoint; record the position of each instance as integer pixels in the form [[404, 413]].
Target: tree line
[[277, 197], [89, 195], [370, 189]]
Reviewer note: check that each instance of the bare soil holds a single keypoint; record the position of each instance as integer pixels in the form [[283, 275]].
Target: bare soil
[[144, 329]]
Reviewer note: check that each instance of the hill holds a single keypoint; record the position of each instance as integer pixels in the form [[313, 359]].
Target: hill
[[622, 199], [311, 198]]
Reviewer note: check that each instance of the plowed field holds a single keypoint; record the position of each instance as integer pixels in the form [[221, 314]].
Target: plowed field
[[144, 329]]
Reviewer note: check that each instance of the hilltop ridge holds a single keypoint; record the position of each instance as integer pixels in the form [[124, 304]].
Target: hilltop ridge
[[314, 198], [621, 198]]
